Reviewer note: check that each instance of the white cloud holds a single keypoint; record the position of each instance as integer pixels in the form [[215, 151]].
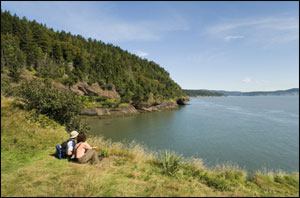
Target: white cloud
[[278, 23], [231, 37], [264, 30], [142, 54], [246, 80]]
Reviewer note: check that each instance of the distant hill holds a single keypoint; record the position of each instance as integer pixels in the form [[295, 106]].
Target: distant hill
[[288, 92], [201, 92]]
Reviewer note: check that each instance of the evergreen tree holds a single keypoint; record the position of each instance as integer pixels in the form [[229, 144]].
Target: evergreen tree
[[68, 58], [6, 23], [57, 51], [26, 41]]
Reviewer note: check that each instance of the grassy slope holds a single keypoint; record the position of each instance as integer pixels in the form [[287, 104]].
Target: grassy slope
[[29, 169]]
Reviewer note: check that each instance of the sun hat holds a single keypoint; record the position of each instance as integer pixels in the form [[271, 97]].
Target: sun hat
[[74, 134]]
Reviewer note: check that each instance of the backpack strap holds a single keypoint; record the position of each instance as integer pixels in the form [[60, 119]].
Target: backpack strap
[[67, 148], [77, 148], [73, 144]]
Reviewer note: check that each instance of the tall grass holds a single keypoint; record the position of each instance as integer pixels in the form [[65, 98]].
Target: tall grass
[[170, 162], [29, 169]]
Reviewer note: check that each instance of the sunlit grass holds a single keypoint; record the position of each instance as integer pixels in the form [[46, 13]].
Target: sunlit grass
[[29, 169]]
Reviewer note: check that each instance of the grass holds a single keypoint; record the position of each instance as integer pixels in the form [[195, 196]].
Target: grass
[[99, 101], [29, 169]]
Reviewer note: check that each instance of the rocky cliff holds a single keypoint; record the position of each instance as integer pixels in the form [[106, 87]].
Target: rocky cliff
[[82, 88]]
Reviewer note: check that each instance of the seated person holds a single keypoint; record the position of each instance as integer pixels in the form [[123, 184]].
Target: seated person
[[84, 152], [66, 149]]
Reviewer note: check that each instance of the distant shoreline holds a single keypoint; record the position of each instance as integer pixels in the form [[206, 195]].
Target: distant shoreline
[[203, 92], [238, 96], [205, 96]]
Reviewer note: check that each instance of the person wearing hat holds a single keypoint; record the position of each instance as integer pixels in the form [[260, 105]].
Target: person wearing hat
[[66, 149], [71, 144]]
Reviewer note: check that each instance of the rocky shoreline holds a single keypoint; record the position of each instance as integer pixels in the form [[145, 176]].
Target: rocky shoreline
[[133, 110], [83, 88], [128, 110]]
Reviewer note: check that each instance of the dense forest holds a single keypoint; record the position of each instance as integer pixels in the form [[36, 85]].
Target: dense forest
[[201, 92], [68, 59]]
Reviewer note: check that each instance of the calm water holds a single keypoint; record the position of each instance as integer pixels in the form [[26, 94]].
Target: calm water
[[252, 132]]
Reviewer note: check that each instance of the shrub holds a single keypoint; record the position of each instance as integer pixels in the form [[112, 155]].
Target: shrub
[[7, 89], [218, 183], [190, 170], [76, 124], [103, 152], [62, 106], [291, 180], [41, 120], [169, 162], [5, 86]]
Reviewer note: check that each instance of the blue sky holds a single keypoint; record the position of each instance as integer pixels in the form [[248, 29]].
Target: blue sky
[[237, 46]]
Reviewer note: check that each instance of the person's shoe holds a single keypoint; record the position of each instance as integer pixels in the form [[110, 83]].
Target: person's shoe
[[100, 157]]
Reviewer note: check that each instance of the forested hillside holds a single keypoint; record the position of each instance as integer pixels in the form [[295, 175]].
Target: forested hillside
[[66, 58], [201, 92]]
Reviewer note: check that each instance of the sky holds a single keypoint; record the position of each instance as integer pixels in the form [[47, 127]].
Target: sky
[[233, 46]]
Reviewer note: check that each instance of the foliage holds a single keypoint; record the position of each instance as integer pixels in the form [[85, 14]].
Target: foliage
[[190, 92], [75, 123], [169, 162], [62, 106], [41, 120], [29, 169], [99, 101], [5, 86], [7, 89], [12, 56], [68, 58]]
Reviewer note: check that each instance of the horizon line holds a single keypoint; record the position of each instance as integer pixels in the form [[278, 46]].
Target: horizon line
[[240, 91]]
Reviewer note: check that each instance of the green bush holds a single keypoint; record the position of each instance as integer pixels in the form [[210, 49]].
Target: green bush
[[169, 162], [190, 170], [103, 152], [288, 180], [218, 183], [41, 120], [76, 124], [7, 89], [62, 106], [5, 86]]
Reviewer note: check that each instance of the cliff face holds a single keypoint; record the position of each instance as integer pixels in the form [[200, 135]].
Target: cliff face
[[151, 105], [135, 109], [129, 110], [182, 101], [82, 88]]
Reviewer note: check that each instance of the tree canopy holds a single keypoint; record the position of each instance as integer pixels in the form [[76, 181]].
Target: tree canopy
[[67, 58]]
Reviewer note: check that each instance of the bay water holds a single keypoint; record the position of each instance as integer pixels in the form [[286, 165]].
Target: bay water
[[253, 132]]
